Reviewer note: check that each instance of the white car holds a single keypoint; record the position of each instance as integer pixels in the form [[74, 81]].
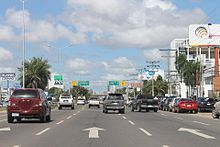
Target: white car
[[81, 102], [94, 101], [66, 101]]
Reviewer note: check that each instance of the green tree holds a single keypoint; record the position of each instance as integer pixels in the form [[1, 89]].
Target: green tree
[[55, 92], [80, 91], [160, 86], [37, 73]]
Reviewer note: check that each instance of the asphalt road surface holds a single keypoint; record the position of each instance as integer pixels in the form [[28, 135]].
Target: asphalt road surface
[[84, 127]]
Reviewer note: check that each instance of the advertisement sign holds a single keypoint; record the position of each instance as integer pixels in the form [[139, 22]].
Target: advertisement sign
[[147, 75], [7, 76], [204, 35]]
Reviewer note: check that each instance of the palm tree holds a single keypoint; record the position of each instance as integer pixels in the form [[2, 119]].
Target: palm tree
[[37, 73]]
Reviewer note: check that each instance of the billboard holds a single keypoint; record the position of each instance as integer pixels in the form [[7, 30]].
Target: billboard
[[147, 75], [204, 35], [7, 76]]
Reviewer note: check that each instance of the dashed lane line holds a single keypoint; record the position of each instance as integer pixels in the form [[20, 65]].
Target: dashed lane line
[[16, 145], [163, 114], [43, 131], [124, 117], [69, 117], [131, 122], [180, 118], [119, 114], [60, 122], [165, 146], [145, 132], [198, 122]]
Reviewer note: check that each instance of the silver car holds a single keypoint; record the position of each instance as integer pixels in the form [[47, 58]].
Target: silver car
[[216, 110]]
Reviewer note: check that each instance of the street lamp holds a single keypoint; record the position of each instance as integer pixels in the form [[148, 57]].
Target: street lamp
[[23, 4]]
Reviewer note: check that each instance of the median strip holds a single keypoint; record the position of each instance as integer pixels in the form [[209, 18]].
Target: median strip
[[41, 132], [145, 132]]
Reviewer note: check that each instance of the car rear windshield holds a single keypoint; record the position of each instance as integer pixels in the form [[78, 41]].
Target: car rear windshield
[[94, 98], [65, 97], [25, 94], [115, 97], [186, 99]]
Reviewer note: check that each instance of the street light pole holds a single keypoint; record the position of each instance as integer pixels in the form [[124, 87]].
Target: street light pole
[[23, 4], [153, 65]]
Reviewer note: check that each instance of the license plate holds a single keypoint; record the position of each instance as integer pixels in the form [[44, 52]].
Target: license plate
[[15, 114], [188, 105], [208, 104], [114, 103], [150, 106]]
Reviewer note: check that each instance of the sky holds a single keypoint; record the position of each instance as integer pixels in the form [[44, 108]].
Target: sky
[[97, 40]]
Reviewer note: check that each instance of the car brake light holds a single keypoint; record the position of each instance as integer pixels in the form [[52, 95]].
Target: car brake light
[[40, 103]]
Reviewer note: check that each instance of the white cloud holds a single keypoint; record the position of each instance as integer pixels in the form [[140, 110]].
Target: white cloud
[[155, 55], [37, 30], [118, 69], [131, 23], [5, 54], [6, 33], [7, 69], [79, 66]]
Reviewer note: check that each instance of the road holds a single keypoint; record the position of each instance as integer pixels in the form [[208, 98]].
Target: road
[[84, 127]]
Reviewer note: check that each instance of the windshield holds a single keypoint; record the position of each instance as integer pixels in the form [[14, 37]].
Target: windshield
[[65, 97], [25, 94], [115, 97]]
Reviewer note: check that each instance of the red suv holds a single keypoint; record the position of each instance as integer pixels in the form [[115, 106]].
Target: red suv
[[28, 103]]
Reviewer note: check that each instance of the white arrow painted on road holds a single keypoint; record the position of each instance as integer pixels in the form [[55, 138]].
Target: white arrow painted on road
[[5, 129], [196, 132], [94, 132]]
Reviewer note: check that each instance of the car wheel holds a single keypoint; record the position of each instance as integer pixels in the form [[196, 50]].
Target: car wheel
[[10, 119], [132, 108], [196, 111], [139, 108], [48, 118], [59, 107], [43, 118], [89, 106], [214, 114], [72, 107], [178, 110], [18, 119], [122, 111], [155, 110]]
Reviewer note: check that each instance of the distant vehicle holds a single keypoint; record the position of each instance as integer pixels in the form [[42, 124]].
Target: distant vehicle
[[144, 102], [114, 102], [186, 105], [172, 104], [205, 104], [81, 101], [28, 103], [166, 104], [94, 101], [161, 103], [216, 110], [66, 101]]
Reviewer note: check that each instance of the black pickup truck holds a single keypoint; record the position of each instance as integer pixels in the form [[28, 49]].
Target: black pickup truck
[[144, 102]]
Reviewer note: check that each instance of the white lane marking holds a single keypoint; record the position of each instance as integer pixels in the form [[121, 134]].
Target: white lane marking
[[198, 122], [74, 114], [124, 117], [196, 132], [94, 132], [69, 117], [180, 118], [119, 114], [163, 114], [60, 122], [146, 132], [165, 146], [43, 131], [5, 129], [3, 120], [131, 122], [78, 112], [16, 145]]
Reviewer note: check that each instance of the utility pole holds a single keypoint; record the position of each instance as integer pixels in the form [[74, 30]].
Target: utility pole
[[153, 65], [168, 70]]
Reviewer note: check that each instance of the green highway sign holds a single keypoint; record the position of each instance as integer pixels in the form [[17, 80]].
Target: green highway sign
[[58, 77], [113, 83], [83, 83]]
